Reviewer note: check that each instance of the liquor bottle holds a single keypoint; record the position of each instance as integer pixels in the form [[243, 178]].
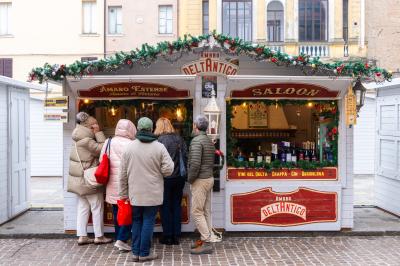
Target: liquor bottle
[[267, 158], [274, 152], [282, 152], [251, 159], [306, 151], [288, 152], [294, 156], [260, 155], [301, 153], [313, 153], [241, 157]]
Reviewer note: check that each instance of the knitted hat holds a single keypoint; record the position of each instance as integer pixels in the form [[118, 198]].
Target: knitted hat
[[145, 123], [85, 119]]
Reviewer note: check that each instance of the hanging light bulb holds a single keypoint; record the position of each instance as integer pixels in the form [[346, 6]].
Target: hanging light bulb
[[276, 104], [86, 101], [244, 104], [179, 116], [113, 112], [310, 104]]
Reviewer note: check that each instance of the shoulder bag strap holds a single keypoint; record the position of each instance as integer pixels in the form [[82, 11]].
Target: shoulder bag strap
[[77, 154], [108, 147]]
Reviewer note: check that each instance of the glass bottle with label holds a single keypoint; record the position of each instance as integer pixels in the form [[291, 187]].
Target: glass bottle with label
[[260, 155], [294, 155], [282, 152], [274, 152], [251, 159], [288, 152], [267, 158]]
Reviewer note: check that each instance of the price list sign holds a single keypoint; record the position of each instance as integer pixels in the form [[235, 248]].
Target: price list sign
[[351, 108]]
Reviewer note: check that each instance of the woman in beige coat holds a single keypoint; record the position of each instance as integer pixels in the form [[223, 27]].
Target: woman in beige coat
[[87, 143]]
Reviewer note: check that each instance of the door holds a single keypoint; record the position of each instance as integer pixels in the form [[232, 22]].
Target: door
[[19, 148]]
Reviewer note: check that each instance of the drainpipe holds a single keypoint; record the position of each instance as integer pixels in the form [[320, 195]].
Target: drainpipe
[[177, 18], [105, 29]]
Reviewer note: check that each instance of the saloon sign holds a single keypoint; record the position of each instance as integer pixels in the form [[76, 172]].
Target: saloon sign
[[266, 207], [285, 90], [127, 89], [210, 63]]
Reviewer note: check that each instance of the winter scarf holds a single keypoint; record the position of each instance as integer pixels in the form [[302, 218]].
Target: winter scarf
[[146, 136]]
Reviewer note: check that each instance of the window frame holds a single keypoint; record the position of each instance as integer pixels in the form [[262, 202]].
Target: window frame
[[92, 27], [206, 30], [325, 22], [115, 26], [171, 20], [8, 31], [281, 33], [237, 18]]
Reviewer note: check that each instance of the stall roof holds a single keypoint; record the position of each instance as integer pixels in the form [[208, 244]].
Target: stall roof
[[241, 83], [178, 82]]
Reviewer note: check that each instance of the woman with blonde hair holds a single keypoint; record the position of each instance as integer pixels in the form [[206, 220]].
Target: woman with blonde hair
[[173, 184]]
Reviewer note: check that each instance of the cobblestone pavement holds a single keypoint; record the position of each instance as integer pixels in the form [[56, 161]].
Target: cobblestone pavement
[[233, 251]]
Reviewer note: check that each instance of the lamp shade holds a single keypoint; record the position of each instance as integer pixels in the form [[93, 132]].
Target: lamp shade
[[213, 114]]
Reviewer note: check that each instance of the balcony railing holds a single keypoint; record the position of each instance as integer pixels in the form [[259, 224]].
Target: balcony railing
[[320, 50], [278, 47]]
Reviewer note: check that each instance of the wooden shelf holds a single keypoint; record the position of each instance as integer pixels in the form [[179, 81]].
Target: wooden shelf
[[263, 133]]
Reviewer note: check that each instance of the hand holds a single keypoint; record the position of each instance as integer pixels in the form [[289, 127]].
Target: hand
[[126, 199], [95, 128]]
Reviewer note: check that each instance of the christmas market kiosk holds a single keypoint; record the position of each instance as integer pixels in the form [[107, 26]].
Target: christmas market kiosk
[[283, 124]]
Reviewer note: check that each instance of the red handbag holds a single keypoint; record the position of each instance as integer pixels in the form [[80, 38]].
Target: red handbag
[[102, 173], [124, 216]]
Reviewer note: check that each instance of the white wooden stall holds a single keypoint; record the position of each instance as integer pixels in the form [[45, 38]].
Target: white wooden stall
[[14, 147], [387, 175]]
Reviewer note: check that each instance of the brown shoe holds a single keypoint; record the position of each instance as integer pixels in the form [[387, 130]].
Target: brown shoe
[[135, 258], [148, 258], [205, 248], [196, 244], [102, 240], [84, 240]]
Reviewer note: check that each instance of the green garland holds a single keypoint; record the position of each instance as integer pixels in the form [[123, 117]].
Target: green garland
[[171, 51], [306, 165]]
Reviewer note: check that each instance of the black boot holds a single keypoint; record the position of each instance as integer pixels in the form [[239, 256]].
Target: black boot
[[166, 240], [175, 240]]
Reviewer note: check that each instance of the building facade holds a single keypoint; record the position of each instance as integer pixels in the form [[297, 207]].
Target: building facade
[[324, 28]]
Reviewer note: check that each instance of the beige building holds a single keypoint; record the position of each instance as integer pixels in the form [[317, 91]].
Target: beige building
[[383, 33], [66, 31], [325, 28]]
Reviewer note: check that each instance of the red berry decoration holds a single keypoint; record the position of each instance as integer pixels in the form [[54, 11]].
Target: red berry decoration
[[378, 74], [129, 62], [334, 130], [366, 66], [195, 44], [274, 60], [300, 58], [259, 50]]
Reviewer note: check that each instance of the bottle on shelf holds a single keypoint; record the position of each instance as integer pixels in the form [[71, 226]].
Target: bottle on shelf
[[274, 152], [260, 155], [293, 151], [267, 158], [306, 151], [241, 157], [251, 159], [282, 152], [288, 152], [301, 153], [313, 153]]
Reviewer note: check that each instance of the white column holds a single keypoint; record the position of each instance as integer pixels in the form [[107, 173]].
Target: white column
[[362, 24], [254, 8], [219, 16], [331, 20]]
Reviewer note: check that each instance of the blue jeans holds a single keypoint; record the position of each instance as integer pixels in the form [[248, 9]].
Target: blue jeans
[[121, 232], [143, 219], [171, 210]]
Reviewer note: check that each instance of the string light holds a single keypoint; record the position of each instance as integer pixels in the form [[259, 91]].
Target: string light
[[113, 112], [276, 104]]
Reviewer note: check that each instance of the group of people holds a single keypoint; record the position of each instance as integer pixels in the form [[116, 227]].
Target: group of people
[[149, 170]]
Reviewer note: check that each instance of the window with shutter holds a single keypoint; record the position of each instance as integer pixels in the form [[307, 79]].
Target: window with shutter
[[6, 67]]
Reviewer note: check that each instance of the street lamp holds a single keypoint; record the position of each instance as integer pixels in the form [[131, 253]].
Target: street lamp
[[359, 91], [213, 114]]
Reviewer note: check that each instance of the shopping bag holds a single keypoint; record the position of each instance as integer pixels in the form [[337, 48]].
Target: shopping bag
[[103, 170], [124, 216]]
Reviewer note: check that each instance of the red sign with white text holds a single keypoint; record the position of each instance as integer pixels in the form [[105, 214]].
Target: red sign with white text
[[285, 90], [327, 173], [266, 207], [127, 89]]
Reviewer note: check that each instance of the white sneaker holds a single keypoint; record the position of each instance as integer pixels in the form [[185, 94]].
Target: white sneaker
[[122, 246], [214, 238]]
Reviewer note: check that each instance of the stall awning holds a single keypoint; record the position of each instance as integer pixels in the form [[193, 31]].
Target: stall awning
[[287, 87], [161, 87]]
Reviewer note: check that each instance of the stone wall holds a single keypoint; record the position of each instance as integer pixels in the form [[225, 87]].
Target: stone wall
[[383, 32]]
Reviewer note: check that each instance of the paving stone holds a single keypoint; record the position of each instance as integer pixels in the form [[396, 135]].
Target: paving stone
[[342, 250]]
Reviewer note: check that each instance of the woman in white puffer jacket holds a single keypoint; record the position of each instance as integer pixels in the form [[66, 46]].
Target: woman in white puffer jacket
[[125, 132]]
